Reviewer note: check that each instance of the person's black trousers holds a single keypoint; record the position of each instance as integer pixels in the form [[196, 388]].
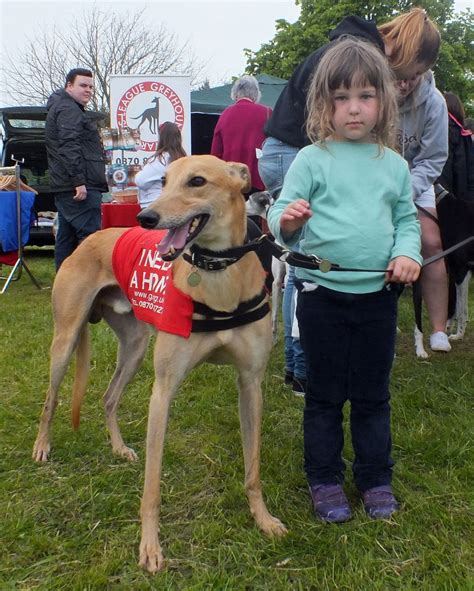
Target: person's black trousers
[[76, 221], [349, 344]]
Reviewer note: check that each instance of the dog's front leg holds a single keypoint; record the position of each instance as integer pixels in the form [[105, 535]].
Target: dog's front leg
[[461, 314], [418, 332], [151, 556], [133, 339], [278, 272], [250, 420]]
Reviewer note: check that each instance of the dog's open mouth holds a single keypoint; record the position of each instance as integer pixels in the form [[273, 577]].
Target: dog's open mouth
[[176, 240]]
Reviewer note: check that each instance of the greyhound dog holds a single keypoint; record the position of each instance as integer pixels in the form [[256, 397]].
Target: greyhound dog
[[258, 205], [203, 208], [457, 222]]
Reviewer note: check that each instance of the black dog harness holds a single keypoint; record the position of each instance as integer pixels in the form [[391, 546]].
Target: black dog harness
[[246, 312]]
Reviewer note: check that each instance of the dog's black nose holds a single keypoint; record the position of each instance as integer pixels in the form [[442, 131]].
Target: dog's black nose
[[148, 218]]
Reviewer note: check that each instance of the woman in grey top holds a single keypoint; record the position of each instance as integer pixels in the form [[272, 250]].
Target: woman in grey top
[[423, 142]]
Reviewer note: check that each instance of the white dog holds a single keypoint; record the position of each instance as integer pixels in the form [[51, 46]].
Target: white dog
[[258, 205]]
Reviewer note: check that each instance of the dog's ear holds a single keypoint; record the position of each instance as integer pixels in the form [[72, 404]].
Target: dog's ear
[[243, 171]]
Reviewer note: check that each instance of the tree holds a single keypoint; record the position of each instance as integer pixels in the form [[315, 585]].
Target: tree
[[104, 42], [292, 43], [205, 85]]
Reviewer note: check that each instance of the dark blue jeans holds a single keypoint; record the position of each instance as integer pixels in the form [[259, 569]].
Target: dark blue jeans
[[273, 165], [76, 220], [294, 355], [349, 344]]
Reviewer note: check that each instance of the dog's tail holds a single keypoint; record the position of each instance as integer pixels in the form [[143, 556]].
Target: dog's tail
[[80, 378]]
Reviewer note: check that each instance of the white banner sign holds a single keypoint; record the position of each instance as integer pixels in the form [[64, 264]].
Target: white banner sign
[[144, 102]]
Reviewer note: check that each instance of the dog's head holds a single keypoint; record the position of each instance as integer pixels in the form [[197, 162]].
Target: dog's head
[[202, 202], [258, 203]]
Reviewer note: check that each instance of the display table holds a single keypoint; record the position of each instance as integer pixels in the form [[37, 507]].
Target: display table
[[119, 215]]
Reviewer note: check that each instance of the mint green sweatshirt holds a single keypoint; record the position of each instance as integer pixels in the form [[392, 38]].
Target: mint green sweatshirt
[[363, 212]]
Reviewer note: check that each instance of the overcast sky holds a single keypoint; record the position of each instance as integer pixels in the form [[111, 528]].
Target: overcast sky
[[218, 31]]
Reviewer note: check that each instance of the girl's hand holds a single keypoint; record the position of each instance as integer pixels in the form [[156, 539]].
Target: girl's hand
[[403, 270], [295, 216]]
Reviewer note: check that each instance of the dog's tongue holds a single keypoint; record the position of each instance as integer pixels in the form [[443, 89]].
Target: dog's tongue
[[175, 237]]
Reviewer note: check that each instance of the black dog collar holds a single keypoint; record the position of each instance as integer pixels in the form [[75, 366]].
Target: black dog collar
[[211, 260], [208, 263]]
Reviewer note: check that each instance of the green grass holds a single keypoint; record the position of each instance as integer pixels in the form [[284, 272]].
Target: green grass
[[73, 522]]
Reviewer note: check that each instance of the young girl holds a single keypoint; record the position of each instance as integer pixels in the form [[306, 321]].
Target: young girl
[[411, 43], [348, 198], [149, 180]]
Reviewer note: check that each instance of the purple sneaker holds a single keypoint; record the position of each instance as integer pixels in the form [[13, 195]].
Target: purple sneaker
[[379, 502], [330, 503]]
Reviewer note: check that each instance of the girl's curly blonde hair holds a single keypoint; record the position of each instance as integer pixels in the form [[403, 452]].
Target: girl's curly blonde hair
[[347, 62]]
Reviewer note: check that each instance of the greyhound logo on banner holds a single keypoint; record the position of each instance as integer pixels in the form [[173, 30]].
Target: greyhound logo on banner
[[144, 103]]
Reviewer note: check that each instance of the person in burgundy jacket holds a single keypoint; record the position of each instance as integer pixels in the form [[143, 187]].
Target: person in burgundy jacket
[[239, 130]]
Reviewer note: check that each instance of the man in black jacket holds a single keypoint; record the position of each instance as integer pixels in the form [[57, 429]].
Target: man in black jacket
[[75, 160]]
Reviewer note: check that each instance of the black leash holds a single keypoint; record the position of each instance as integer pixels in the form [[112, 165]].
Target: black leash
[[449, 250], [219, 260], [297, 259], [251, 310]]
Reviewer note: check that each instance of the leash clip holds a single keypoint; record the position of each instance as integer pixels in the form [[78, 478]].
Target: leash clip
[[316, 259]]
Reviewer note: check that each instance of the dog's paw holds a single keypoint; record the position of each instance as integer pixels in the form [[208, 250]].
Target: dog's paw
[[127, 453], [456, 337], [41, 451], [421, 353], [273, 527], [151, 557], [278, 530]]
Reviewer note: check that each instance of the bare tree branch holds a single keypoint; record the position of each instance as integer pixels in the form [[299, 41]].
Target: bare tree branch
[[106, 43]]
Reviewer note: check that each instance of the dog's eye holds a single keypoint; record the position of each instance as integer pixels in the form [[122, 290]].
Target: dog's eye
[[197, 181], [163, 181]]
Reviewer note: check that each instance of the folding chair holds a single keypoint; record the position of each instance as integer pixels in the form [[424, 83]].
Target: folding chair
[[15, 215]]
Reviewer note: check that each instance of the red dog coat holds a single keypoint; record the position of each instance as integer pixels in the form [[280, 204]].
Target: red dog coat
[[147, 281]]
